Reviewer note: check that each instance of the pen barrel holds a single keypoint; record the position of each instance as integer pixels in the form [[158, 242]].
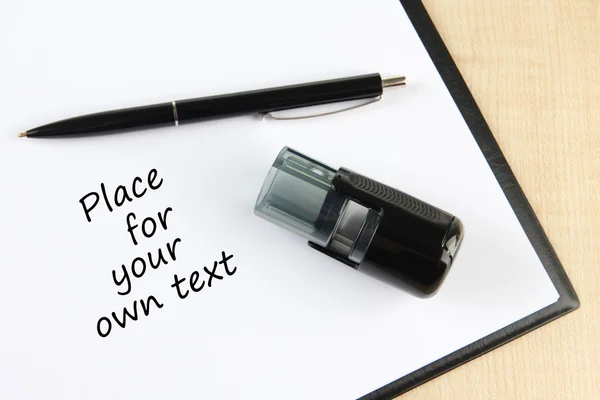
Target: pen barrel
[[116, 120], [280, 98]]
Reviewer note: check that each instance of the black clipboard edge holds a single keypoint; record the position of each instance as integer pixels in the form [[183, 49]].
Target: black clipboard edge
[[568, 300]]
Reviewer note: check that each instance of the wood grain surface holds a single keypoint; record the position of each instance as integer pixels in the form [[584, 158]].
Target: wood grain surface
[[533, 67]]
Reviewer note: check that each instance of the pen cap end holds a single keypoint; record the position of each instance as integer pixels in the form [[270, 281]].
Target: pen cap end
[[393, 81]]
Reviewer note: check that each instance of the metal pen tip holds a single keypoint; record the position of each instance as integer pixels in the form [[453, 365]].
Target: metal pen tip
[[22, 134], [393, 81]]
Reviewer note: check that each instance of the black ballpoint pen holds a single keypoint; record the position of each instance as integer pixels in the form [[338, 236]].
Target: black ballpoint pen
[[228, 105]]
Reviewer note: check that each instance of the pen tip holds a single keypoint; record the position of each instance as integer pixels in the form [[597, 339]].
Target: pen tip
[[23, 134]]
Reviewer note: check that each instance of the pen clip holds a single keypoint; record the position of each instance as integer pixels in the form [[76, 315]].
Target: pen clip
[[275, 117]]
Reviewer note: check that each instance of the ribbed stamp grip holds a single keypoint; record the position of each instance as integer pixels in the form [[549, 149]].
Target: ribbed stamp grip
[[393, 196]]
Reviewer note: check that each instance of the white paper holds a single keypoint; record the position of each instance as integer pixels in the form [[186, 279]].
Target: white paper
[[290, 322]]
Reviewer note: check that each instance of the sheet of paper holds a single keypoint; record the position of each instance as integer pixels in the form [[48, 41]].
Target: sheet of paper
[[284, 320]]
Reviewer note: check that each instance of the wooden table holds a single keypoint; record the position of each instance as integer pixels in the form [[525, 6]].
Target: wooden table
[[534, 68]]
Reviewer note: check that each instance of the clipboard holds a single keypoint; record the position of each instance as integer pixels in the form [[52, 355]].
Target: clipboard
[[568, 300], [314, 334]]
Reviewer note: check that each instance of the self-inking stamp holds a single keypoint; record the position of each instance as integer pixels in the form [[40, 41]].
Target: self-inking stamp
[[363, 223]]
